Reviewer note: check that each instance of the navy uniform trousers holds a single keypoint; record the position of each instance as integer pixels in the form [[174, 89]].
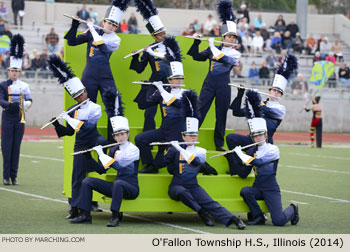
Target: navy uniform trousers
[[11, 138], [117, 190]]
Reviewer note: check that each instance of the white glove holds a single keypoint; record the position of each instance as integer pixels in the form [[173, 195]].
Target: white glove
[[155, 54], [167, 97], [106, 160], [159, 85], [196, 35], [27, 105], [74, 123], [176, 145], [98, 149], [95, 35], [64, 115], [211, 42], [246, 159]]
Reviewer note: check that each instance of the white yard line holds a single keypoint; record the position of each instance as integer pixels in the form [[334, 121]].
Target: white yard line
[[317, 196], [318, 156], [131, 216], [38, 157], [313, 169]]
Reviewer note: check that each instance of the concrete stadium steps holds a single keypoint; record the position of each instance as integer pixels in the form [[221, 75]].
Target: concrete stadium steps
[[154, 193]]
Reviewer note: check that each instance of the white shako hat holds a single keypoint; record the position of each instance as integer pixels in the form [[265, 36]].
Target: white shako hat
[[150, 13], [284, 71], [119, 124], [16, 52], [257, 126], [114, 13], [225, 12]]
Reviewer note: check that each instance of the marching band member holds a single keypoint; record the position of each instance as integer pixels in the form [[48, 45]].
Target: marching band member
[[172, 118], [81, 121], [154, 56], [263, 158], [15, 99], [97, 74], [221, 61], [273, 111], [184, 163], [124, 158], [316, 123]]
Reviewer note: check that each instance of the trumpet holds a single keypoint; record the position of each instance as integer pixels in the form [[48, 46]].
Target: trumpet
[[21, 107]]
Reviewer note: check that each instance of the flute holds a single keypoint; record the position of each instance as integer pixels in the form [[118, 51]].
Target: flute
[[235, 85], [91, 149], [169, 143], [164, 84], [139, 51], [72, 109], [215, 41], [231, 151], [85, 22]]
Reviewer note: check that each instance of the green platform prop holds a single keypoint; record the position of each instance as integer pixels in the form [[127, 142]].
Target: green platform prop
[[154, 187]]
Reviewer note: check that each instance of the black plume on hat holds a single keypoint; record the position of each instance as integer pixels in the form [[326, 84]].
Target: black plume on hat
[[121, 4], [254, 99], [146, 8], [60, 69], [173, 52], [189, 104], [17, 46], [288, 66], [225, 11], [113, 102]]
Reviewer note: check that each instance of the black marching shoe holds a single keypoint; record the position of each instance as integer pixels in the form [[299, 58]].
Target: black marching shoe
[[258, 220], [238, 222], [114, 221], [14, 181], [121, 216], [83, 218], [95, 207], [205, 218], [295, 219], [6, 182], [149, 169], [220, 148], [73, 213]]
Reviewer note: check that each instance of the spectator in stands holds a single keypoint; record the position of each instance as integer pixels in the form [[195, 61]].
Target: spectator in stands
[[325, 47], [187, 32], [18, 10], [280, 18], [317, 57], [216, 31], [242, 31], [344, 74], [124, 28], [264, 73], [254, 74], [310, 45], [293, 28], [257, 43], [237, 70], [196, 25], [61, 53], [83, 13], [298, 43], [319, 41], [209, 24], [3, 10], [244, 12], [243, 23], [2, 25], [299, 86], [93, 16], [247, 42], [52, 40], [287, 40], [38, 64], [251, 30], [264, 33], [259, 22], [45, 55], [7, 31], [283, 55], [330, 57], [239, 43], [276, 42], [27, 65], [280, 28], [132, 23], [336, 48], [271, 61]]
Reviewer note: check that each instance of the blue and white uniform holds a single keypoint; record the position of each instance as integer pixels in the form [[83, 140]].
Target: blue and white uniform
[[84, 124], [170, 128], [97, 74], [11, 129], [160, 70], [216, 85], [264, 162], [184, 186], [125, 159]]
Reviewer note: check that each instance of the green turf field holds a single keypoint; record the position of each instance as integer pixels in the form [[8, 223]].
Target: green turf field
[[318, 179]]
